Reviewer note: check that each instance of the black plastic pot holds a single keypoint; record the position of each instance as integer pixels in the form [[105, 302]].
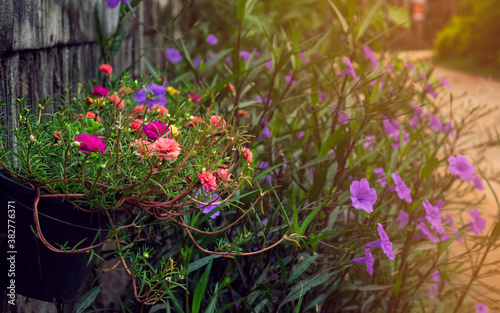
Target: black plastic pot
[[39, 272]]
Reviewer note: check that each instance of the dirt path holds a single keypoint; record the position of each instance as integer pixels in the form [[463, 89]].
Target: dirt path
[[469, 91]]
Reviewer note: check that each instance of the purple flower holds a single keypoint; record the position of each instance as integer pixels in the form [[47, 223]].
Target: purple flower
[[363, 197], [427, 233], [265, 221], [369, 143], [349, 71], [300, 134], [414, 121], [368, 260], [344, 119], [403, 218], [212, 40], [445, 83], [481, 308], [478, 223], [428, 88], [434, 122], [196, 62], [460, 166], [155, 130], [380, 175], [404, 193], [269, 64], [370, 55], [383, 243], [245, 55], [435, 276], [113, 3], [391, 128], [433, 290], [151, 94], [433, 216], [288, 79], [211, 204], [423, 74], [389, 67], [478, 183], [100, 91], [90, 144], [173, 55]]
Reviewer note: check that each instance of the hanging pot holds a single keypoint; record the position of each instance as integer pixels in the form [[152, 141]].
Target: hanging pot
[[39, 272]]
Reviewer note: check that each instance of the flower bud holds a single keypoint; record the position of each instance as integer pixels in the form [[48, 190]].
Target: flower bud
[[76, 143], [32, 138]]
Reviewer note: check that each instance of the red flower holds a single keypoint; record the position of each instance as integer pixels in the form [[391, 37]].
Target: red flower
[[166, 146], [161, 109], [195, 121], [247, 154], [136, 124], [208, 181], [143, 146], [90, 144], [125, 91], [138, 109], [106, 69], [218, 122]]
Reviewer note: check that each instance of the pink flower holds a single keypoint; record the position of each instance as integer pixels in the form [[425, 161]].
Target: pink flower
[[166, 149], [90, 144], [116, 100], [478, 224], [218, 122], [143, 146], [403, 218], [208, 181], [100, 91], [160, 109], [481, 308], [247, 154], [224, 175], [106, 69], [155, 130], [478, 183], [404, 193], [93, 115]]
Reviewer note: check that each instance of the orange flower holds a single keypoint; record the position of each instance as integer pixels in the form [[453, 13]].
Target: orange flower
[[218, 122], [93, 115], [161, 109], [208, 181], [125, 91], [143, 146], [138, 109], [116, 100], [224, 175], [106, 69], [247, 154], [169, 147]]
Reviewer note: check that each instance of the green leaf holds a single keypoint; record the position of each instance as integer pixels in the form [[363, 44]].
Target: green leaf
[[398, 15], [303, 266], [304, 286], [283, 212], [202, 262], [374, 287], [86, 300], [217, 58], [200, 288], [367, 20], [341, 18], [428, 168], [309, 219]]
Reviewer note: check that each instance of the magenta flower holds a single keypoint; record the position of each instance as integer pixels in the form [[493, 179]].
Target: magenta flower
[[433, 216], [404, 193], [433, 290], [155, 130], [383, 243], [380, 175], [173, 55], [212, 40], [113, 3], [369, 143], [368, 260], [478, 183], [100, 91], [344, 119], [370, 55], [90, 144], [481, 308], [445, 83], [363, 197], [151, 94], [434, 122], [349, 71], [478, 223], [426, 232], [460, 166], [403, 218], [430, 90]]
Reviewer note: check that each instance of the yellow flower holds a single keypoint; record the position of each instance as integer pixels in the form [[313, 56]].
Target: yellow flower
[[173, 91], [174, 130], [99, 102]]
